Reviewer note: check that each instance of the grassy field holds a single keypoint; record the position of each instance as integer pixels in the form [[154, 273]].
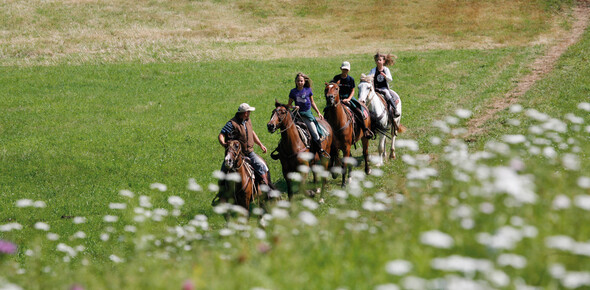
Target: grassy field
[[500, 211]]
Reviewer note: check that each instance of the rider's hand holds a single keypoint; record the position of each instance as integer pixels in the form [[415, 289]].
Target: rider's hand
[[263, 148], [296, 108], [320, 116], [346, 101]]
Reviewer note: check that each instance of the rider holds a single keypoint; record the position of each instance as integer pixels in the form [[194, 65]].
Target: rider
[[240, 128], [382, 77], [347, 86], [303, 97]]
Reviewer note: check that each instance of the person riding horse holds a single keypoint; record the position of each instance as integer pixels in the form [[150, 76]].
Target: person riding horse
[[240, 128], [347, 86]]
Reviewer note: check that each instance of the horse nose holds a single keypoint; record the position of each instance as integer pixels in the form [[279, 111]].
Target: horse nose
[[228, 162], [271, 128]]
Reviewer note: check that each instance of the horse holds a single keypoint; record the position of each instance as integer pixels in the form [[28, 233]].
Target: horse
[[346, 131], [383, 121], [291, 146], [240, 184]]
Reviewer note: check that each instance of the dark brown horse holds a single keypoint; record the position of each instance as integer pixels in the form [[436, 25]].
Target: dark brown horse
[[292, 146], [239, 186], [346, 131]]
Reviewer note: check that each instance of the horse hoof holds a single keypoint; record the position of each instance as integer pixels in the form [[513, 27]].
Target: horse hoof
[[311, 193], [368, 171], [321, 201]]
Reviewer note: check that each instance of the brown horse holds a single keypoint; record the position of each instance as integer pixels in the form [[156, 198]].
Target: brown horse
[[240, 185], [291, 146], [346, 131]]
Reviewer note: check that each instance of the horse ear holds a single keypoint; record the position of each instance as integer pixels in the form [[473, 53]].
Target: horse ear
[[338, 82], [277, 103]]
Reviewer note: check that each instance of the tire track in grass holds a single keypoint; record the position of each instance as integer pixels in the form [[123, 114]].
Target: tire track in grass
[[541, 67]]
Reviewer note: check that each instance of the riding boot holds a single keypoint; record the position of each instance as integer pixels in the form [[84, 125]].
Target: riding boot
[[265, 180], [359, 115], [317, 148], [393, 108]]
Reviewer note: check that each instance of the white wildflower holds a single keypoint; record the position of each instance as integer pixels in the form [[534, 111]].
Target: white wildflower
[[561, 202], [79, 235], [532, 113], [557, 270], [584, 182], [144, 201], [461, 264], [110, 218], [114, 205], [79, 220], [514, 139], [574, 280], [398, 267], [39, 204], [574, 119], [213, 187], [295, 176], [486, 207], [310, 204], [349, 161], [158, 186], [388, 286], [116, 259], [412, 145], [52, 236], [498, 278], [582, 201], [516, 108], [193, 185], [571, 162], [584, 106], [42, 226], [233, 177], [126, 193], [563, 243], [512, 260], [463, 113], [24, 203], [175, 201], [307, 156], [437, 239], [226, 232], [279, 213], [308, 218]]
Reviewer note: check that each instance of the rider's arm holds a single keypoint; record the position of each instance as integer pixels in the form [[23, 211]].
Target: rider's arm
[[221, 139], [291, 102], [258, 142], [315, 107], [388, 76]]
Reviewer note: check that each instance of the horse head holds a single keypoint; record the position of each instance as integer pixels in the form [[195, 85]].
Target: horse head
[[365, 87], [332, 94], [233, 153], [278, 118]]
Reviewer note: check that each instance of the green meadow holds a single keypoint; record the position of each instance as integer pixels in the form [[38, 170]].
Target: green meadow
[[86, 148]]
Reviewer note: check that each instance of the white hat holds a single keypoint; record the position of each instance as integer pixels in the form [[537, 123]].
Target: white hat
[[245, 108], [345, 65]]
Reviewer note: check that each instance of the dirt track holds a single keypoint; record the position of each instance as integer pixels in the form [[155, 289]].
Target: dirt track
[[539, 69]]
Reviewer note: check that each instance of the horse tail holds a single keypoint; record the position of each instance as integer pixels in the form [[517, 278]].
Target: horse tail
[[401, 128]]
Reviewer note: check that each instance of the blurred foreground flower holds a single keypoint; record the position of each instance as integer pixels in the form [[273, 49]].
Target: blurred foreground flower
[[7, 247]]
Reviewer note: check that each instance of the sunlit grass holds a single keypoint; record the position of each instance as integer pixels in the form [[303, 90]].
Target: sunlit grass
[[76, 32]]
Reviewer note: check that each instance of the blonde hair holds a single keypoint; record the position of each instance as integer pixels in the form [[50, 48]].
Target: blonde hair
[[389, 58], [308, 83]]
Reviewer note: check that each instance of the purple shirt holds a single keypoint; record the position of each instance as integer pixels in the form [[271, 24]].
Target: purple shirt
[[302, 98]]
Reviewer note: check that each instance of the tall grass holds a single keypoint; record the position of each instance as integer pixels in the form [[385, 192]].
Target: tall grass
[[78, 32], [504, 212]]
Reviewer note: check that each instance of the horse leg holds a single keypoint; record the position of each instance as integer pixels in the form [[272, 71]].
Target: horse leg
[[366, 155], [392, 149], [289, 185], [381, 149], [346, 167]]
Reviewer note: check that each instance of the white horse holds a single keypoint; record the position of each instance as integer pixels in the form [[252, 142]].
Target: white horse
[[383, 122]]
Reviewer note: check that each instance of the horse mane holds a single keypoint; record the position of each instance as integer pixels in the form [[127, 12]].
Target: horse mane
[[367, 78]]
